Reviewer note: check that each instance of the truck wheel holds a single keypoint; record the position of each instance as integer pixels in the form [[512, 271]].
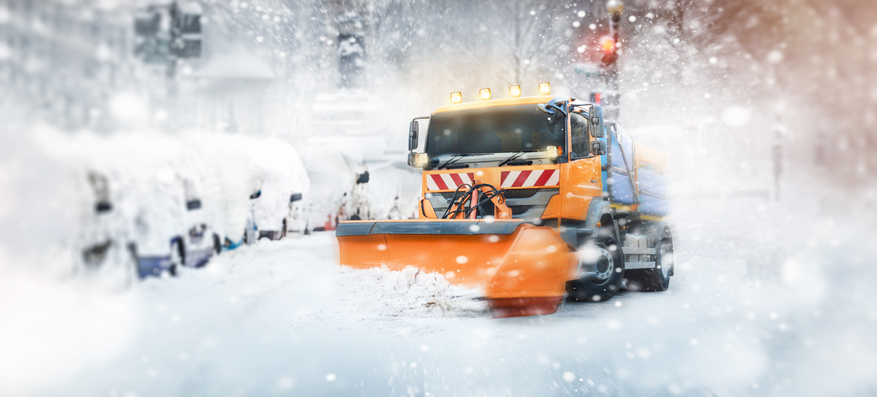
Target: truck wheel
[[601, 271], [657, 279]]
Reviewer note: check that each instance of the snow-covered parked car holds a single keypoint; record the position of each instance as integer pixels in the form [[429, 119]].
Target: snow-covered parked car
[[393, 191], [102, 240], [254, 181], [284, 181], [338, 188], [161, 185]]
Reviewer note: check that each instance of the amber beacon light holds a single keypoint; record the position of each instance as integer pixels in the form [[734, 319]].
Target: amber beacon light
[[544, 89], [515, 91]]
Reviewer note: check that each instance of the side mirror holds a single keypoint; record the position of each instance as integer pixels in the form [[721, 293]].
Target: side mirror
[[103, 206], [192, 205], [362, 178], [598, 148], [295, 197], [413, 132], [595, 127]]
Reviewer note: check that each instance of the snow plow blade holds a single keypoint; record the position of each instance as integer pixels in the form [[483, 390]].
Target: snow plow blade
[[522, 268]]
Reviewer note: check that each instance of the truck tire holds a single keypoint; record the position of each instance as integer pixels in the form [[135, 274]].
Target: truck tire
[[601, 271], [657, 279]]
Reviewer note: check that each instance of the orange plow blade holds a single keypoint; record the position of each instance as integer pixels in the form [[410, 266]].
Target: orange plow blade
[[522, 268]]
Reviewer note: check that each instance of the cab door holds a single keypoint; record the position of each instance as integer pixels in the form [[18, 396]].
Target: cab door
[[582, 181]]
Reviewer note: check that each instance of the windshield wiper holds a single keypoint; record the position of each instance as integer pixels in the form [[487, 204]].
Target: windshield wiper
[[450, 161], [515, 156]]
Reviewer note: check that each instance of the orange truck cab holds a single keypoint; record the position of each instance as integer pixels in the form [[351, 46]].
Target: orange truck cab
[[533, 199]]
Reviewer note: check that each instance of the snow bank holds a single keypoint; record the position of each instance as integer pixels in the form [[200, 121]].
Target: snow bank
[[53, 330], [409, 293]]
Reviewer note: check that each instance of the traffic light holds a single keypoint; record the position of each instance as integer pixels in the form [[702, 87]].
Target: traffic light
[[186, 29], [610, 51], [607, 44], [163, 31]]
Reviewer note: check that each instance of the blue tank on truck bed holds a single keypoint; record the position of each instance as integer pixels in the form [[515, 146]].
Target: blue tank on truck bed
[[635, 180]]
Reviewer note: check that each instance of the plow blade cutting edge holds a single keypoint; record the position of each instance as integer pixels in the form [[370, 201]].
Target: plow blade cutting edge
[[522, 268]]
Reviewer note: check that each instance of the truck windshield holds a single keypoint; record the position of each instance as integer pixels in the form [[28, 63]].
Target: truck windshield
[[503, 129]]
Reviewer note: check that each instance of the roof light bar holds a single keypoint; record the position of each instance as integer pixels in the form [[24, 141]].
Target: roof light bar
[[456, 97], [484, 93]]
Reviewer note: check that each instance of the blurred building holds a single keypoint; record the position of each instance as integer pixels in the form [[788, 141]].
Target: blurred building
[[67, 58], [230, 91]]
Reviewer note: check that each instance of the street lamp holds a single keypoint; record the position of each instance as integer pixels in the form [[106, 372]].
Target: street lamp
[[615, 8]]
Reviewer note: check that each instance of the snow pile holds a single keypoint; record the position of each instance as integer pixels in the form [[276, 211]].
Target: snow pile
[[410, 293], [52, 330]]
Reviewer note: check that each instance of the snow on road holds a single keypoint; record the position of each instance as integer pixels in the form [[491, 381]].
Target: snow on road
[[282, 318]]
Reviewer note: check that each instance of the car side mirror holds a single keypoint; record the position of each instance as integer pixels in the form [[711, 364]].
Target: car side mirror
[[413, 132], [362, 178], [192, 205], [598, 148]]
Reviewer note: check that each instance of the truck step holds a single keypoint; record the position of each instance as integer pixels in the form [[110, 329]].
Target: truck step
[[638, 251], [638, 265]]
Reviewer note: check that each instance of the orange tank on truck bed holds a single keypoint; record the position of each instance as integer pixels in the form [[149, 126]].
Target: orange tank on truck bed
[[534, 200]]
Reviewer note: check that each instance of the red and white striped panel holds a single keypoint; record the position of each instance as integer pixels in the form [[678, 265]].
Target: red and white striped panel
[[448, 181], [530, 178]]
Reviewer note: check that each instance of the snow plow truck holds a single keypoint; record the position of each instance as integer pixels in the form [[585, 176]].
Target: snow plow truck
[[532, 199]]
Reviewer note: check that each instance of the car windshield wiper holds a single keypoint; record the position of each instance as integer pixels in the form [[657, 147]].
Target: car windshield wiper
[[515, 156], [450, 161]]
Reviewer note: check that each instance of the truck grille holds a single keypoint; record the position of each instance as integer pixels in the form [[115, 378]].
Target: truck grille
[[509, 194], [524, 203]]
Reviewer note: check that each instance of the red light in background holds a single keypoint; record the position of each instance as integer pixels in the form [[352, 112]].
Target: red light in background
[[607, 44]]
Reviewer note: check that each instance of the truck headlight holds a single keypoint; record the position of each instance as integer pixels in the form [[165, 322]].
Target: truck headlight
[[421, 159]]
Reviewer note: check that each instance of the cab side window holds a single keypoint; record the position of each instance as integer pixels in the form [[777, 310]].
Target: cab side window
[[579, 135]]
